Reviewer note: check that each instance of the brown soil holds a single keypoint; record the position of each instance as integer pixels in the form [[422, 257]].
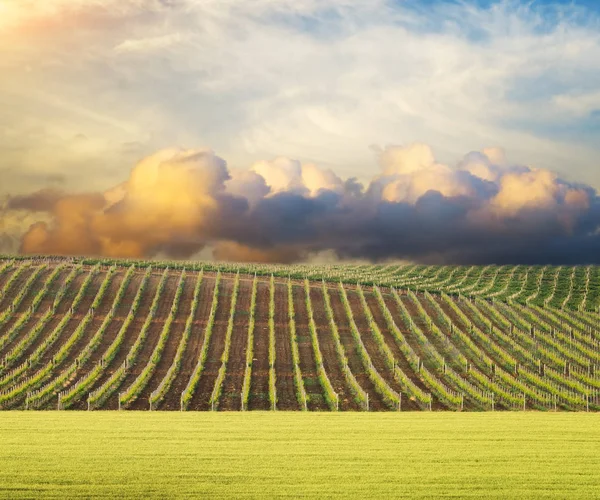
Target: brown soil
[[77, 318], [410, 338], [308, 367], [6, 274], [331, 360], [192, 352], [49, 297], [76, 349], [206, 384], [130, 336], [15, 288], [354, 362], [35, 287], [34, 318], [439, 347], [71, 293], [110, 295], [168, 354], [360, 318], [284, 366], [259, 382], [152, 336], [457, 321], [236, 365], [112, 330], [403, 364], [48, 329], [444, 350]]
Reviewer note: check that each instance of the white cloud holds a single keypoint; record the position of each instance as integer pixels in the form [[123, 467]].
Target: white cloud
[[150, 43], [305, 79], [580, 105]]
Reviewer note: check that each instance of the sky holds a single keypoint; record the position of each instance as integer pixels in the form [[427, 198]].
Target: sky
[[91, 88]]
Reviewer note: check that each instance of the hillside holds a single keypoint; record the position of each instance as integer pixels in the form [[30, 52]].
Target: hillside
[[86, 334]]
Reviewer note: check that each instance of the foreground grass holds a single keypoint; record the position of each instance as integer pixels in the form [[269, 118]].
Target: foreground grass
[[525, 455]]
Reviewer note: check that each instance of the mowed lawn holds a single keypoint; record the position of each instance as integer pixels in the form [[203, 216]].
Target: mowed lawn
[[422, 455]]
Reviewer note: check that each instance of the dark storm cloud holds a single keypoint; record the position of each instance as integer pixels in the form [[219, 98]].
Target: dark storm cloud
[[178, 202]]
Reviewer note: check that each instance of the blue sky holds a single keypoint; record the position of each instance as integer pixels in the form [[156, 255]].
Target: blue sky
[[588, 4]]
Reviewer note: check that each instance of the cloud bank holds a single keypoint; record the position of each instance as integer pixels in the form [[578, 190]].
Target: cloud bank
[[180, 202]]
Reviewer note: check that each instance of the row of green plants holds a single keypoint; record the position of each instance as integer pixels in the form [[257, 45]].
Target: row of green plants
[[538, 398], [588, 376], [570, 294], [360, 395], [520, 345], [449, 397], [188, 392], [161, 391], [24, 319], [6, 265], [532, 379], [578, 336], [458, 336], [388, 357], [551, 348], [434, 359], [571, 287], [550, 298], [22, 293], [573, 346], [22, 384], [131, 393], [470, 280], [37, 398], [592, 320], [301, 395], [547, 386], [423, 399], [502, 357], [390, 397], [450, 349], [505, 283], [503, 394], [475, 284], [479, 397], [516, 342], [491, 284], [566, 381], [444, 393], [68, 396], [249, 348], [536, 346], [97, 397], [12, 280], [331, 397], [67, 375], [272, 347], [218, 387], [569, 398], [429, 353], [582, 328], [66, 287], [476, 356]]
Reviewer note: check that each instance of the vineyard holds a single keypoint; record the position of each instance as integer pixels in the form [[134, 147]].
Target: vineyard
[[83, 334]]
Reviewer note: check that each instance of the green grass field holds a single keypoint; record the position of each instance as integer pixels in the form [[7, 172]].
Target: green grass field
[[422, 455]]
